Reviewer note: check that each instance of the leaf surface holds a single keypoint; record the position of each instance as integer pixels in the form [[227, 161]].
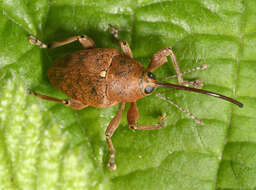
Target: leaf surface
[[44, 145]]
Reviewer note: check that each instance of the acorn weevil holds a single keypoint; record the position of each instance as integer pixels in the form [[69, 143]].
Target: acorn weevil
[[103, 77]]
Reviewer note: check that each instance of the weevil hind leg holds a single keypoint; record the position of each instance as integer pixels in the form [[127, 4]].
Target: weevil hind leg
[[124, 45], [160, 57], [85, 41], [74, 104], [133, 117], [113, 125]]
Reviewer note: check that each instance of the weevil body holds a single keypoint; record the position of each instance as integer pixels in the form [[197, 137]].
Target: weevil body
[[102, 77], [99, 77]]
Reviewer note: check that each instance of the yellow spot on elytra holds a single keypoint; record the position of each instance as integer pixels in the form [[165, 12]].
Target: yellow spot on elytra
[[103, 74]]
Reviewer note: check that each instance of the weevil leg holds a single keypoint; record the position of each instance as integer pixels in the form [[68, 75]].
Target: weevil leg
[[133, 117], [74, 104], [160, 57], [85, 41], [124, 45], [113, 125]]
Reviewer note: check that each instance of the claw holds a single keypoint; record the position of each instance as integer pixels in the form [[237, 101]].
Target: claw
[[112, 165], [162, 119], [198, 83], [35, 41], [114, 31]]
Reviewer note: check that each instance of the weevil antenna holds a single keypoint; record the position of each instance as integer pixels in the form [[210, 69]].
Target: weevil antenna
[[179, 87], [190, 115]]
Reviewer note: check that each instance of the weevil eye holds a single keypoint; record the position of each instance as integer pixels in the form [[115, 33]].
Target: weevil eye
[[149, 89], [151, 76]]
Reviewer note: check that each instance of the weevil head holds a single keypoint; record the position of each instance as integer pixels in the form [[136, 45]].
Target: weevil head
[[148, 84]]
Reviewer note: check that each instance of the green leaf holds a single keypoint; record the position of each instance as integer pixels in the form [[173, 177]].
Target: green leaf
[[44, 145]]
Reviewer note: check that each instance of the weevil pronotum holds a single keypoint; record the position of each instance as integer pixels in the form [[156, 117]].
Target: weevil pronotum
[[103, 77]]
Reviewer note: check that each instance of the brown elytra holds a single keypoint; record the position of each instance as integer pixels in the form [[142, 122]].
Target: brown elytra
[[103, 77]]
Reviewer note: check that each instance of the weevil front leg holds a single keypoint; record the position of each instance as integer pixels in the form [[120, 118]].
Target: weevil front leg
[[113, 125], [74, 104], [160, 57], [85, 41], [124, 45], [133, 117]]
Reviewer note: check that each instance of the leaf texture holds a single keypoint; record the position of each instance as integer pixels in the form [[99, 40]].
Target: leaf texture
[[44, 145]]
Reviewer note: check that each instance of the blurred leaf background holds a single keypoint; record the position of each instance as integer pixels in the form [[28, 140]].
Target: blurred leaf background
[[44, 145]]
